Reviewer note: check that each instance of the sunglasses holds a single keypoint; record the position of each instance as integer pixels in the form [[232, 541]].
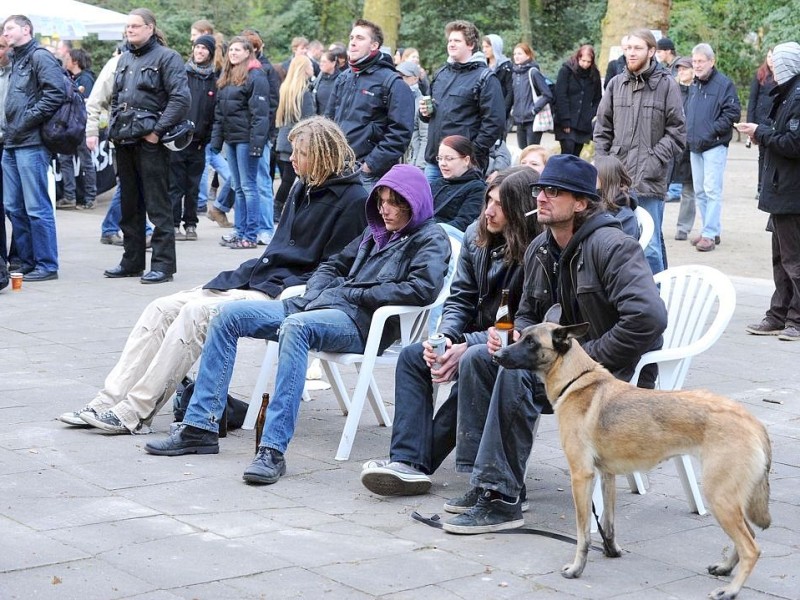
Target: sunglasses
[[549, 191]]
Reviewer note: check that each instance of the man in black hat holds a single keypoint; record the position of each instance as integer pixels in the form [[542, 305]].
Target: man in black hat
[[665, 53], [586, 263]]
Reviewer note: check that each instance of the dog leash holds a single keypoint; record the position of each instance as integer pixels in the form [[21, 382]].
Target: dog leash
[[435, 521]]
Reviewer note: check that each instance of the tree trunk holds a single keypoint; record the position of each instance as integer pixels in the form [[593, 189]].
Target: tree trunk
[[385, 13], [525, 21], [622, 16]]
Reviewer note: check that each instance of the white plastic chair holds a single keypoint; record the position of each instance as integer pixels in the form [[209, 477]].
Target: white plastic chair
[[646, 226], [690, 293], [413, 329]]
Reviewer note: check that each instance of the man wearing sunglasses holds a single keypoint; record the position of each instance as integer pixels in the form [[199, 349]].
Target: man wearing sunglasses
[[597, 273]]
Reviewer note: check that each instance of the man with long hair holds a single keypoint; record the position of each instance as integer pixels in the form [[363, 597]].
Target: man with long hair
[[490, 261], [323, 214]]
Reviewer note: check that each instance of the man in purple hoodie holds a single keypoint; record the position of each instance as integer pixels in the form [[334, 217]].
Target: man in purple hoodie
[[401, 258]]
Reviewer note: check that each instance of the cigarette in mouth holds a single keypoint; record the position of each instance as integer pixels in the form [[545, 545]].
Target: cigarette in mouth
[[531, 212]]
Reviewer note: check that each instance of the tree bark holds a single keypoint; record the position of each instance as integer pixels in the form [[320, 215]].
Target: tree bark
[[385, 13], [622, 16], [525, 21]]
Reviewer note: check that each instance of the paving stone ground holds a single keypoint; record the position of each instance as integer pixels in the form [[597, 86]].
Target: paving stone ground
[[85, 515]]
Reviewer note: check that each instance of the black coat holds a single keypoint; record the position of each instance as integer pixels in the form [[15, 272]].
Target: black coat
[[578, 94], [458, 201], [203, 89], [35, 91], [525, 109], [505, 77], [781, 143], [711, 110], [274, 94], [322, 90], [759, 104], [242, 114], [316, 224]]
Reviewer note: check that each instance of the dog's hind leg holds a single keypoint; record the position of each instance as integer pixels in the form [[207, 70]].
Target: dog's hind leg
[[582, 482], [608, 483]]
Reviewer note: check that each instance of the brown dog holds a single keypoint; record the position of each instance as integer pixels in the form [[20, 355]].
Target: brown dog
[[616, 428]]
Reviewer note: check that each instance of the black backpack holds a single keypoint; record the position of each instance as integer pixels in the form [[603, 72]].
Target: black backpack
[[65, 130], [232, 418]]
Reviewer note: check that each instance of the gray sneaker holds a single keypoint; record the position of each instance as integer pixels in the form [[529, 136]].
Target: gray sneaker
[[394, 479], [766, 327], [107, 421], [491, 513], [790, 334], [74, 418], [465, 502]]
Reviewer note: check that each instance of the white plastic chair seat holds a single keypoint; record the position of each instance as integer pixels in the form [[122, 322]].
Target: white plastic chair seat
[[647, 226]]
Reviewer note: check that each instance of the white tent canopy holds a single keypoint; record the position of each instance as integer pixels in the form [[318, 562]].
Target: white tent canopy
[[67, 19]]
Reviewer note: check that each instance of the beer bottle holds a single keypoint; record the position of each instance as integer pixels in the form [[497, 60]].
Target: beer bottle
[[504, 323], [261, 418]]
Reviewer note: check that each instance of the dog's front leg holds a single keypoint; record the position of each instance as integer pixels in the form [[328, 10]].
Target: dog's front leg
[[608, 486], [582, 482]]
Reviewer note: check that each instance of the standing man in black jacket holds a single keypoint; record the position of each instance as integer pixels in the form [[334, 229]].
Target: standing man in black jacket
[[151, 96], [35, 92], [372, 104], [186, 166], [467, 100], [780, 193]]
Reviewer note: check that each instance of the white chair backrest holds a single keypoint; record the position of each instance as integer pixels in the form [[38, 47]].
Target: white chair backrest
[[690, 293], [646, 226]]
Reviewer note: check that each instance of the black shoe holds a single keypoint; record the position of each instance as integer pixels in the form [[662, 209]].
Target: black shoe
[[185, 440], [466, 501], [119, 271], [267, 467], [491, 513], [40, 275], [155, 277]]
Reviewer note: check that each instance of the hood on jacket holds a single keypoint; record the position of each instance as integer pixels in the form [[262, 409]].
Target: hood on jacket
[[409, 182], [786, 61], [478, 58], [497, 49]]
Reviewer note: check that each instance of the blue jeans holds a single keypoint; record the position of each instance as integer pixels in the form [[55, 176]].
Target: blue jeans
[[244, 180], [674, 192], [28, 206], [217, 162], [266, 221], [432, 172], [708, 169], [329, 330], [110, 224], [656, 251]]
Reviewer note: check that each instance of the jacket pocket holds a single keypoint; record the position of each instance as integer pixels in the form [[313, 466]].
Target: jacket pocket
[[131, 124], [149, 79]]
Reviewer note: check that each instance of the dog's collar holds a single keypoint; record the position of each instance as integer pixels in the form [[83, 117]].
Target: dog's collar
[[571, 381]]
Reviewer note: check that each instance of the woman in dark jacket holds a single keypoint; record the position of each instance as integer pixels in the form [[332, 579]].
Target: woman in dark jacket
[[296, 103], [323, 84], [525, 79], [578, 94], [458, 195], [615, 185], [500, 64], [759, 104], [242, 121]]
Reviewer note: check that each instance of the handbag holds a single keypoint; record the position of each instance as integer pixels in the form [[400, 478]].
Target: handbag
[[543, 121]]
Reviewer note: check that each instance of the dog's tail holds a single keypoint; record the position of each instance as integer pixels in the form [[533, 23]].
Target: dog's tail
[[758, 503]]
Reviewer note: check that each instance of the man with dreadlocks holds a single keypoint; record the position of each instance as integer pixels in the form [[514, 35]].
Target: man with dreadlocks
[[323, 213]]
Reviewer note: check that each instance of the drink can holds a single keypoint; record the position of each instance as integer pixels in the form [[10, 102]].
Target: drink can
[[428, 101], [439, 343]]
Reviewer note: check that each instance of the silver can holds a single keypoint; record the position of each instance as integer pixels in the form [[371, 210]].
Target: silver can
[[439, 343]]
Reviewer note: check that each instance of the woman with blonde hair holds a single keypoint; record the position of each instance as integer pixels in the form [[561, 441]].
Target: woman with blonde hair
[[242, 121], [296, 103]]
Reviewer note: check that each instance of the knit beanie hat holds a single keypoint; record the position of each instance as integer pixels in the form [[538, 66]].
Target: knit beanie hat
[[208, 41], [786, 61]]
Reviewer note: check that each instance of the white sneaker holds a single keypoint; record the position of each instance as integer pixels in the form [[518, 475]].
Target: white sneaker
[[394, 479], [74, 417]]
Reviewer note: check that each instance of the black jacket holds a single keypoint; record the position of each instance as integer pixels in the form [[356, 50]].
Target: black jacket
[[481, 276], [151, 92], [781, 143], [242, 114], [711, 110], [578, 94], [465, 104], [274, 94], [524, 108], [458, 201], [35, 91], [682, 163], [375, 109], [283, 146], [203, 90], [316, 224], [601, 277], [505, 77], [759, 104], [322, 90]]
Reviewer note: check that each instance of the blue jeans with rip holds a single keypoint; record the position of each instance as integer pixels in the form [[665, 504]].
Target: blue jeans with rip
[[28, 206], [327, 329], [244, 180], [708, 169], [656, 251]]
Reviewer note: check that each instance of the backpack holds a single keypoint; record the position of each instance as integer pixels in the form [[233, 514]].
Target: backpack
[[233, 417], [66, 129]]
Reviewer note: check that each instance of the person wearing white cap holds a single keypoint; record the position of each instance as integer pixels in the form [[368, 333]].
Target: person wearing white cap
[[780, 193]]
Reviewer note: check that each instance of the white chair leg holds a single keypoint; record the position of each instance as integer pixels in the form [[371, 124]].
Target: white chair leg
[[378, 405], [339, 390], [638, 483], [689, 481], [357, 401], [267, 368]]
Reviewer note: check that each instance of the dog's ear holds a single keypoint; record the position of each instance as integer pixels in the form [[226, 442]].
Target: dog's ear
[[563, 335], [553, 314]]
